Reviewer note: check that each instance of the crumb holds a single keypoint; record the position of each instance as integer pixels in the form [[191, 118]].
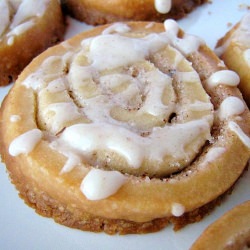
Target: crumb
[[229, 25]]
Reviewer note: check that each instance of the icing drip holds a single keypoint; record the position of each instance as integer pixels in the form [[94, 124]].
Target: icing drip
[[116, 28], [177, 209], [73, 159], [230, 106], [21, 28], [25, 143], [99, 184], [163, 6], [226, 77], [171, 26], [213, 154], [239, 132]]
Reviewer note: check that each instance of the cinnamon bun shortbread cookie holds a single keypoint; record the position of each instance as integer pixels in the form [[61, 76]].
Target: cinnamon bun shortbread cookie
[[231, 231], [26, 29], [130, 126], [234, 49], [101, 12]]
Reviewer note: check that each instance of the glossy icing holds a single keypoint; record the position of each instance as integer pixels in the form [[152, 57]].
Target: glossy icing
[[100, 184], [163, 6], [240, 133], [226, 77], [25, 143], [229, 107]]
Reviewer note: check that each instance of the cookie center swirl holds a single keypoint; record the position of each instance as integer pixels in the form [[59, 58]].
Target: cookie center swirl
[[129, 102]]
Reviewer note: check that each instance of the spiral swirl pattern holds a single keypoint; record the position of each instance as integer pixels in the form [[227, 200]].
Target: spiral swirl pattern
[[129, 123], [135, 112]]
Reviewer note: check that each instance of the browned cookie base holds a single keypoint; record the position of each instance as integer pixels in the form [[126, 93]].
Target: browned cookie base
[[47, 31], [49, 207], [96, 14]]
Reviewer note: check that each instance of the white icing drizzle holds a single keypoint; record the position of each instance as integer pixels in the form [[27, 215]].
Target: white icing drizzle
[[163, 6], [113, 50], [24, 13], [18, 30], [4, 16], [56, 86], [73, 159], [119, 53], [171, 25], [132, 146], [229, 107], [15, 118], [25, 143], [213, 154], [99, 184], [227, 77], [60, 114], [37, 81], [116, 28], [188, 44], [177, 209], [10, 40], [239, 132], [246, 56], [34, 81], [157, 82], [28, 9]]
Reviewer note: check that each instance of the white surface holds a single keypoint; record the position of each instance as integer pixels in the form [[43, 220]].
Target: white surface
[[21, 228]]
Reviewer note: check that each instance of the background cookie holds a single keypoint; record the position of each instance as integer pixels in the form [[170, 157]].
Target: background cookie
[[234, 49], [231, 231], [26, 29], [100, 12]]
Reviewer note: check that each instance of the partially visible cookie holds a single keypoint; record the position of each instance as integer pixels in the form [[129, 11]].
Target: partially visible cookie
[[26, 29], [231, 231], [101, 12], [234, 49]]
